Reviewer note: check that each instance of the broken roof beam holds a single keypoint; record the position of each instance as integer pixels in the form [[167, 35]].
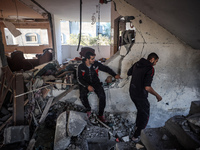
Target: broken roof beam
[[2, 52]]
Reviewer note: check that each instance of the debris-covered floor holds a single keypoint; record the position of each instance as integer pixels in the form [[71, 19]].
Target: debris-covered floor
[[37, 124], [33, 117]]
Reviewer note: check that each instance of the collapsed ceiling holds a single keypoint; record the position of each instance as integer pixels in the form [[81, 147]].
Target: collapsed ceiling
[[180, 17]]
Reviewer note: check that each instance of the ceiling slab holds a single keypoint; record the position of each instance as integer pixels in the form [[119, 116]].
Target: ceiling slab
[[70, 9], [10, 9], [180, 17]]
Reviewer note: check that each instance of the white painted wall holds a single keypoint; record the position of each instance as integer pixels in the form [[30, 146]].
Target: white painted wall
[[70, 51], [176, 78]]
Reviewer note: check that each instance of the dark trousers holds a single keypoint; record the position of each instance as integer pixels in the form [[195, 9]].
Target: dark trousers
[[98, 89], [143, 109]]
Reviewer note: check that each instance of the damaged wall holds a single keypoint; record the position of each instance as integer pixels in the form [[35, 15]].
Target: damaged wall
[[176, 78]]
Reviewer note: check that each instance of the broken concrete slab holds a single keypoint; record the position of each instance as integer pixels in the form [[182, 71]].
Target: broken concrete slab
[[152, 138], [194, 119], [62, 140], [187, 139], [76, 123], [16, 134], [194, 108]]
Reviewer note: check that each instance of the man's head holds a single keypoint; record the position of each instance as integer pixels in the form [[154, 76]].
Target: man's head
[[90, 57], [153, 58]]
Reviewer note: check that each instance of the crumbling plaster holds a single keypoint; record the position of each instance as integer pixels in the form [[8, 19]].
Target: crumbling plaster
[[176, 77]]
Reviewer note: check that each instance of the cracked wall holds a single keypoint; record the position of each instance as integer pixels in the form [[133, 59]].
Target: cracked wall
[[176, 78]]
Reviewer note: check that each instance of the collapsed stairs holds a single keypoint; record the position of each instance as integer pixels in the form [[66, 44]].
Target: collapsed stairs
[[179, 132]]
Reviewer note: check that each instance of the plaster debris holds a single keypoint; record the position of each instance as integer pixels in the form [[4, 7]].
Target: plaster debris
[[139, 146], [16, 134], [76, 123]]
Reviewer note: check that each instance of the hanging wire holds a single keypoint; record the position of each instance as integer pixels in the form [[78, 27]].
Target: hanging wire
[[80, 25]]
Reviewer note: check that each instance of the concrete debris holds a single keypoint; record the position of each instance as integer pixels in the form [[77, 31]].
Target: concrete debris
[[125, 138], [188, 139], [139, 146], [152, 138], [125, 146], [15, 134], [194, 119], [165, 137], [101, 146], [76, 123], [62, 140], [64, 125], [194, 107]]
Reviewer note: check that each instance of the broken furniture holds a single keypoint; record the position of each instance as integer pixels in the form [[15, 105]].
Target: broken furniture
[[17, 60]]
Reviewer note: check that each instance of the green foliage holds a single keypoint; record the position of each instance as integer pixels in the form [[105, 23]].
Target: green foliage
[[87, 40]]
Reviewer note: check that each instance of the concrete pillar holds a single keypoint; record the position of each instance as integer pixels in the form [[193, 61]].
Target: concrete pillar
[[57, 38]]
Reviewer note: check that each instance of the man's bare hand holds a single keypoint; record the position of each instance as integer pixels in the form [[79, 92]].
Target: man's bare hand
[[118, 76], [159, 98], [90, 88]]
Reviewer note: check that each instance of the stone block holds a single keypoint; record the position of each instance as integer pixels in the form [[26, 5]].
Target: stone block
[[188, 139], [194, 107], [101, 146], [76, 123], [153, 139], [16, 134], [125, 146], [61, 140], [194, 119]]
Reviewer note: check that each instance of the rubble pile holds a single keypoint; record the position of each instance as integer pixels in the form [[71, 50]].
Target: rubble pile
[[179, 132], [28, 100]]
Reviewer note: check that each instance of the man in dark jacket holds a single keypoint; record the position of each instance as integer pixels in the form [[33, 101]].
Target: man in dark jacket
[[142, 73], [87, 76]]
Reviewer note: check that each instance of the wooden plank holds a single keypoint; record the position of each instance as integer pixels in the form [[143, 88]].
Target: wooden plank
[[2, 52], [59, 83], [64, 73], [46, 109], [19, 101]]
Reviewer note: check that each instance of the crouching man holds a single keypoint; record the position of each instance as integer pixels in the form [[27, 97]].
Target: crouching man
[[87, 77]]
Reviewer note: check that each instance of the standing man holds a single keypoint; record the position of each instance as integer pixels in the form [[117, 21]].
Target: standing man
[[87, 76], [142, 73]]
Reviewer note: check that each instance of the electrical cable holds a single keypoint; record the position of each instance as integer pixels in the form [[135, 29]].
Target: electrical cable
[[80, 25]]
